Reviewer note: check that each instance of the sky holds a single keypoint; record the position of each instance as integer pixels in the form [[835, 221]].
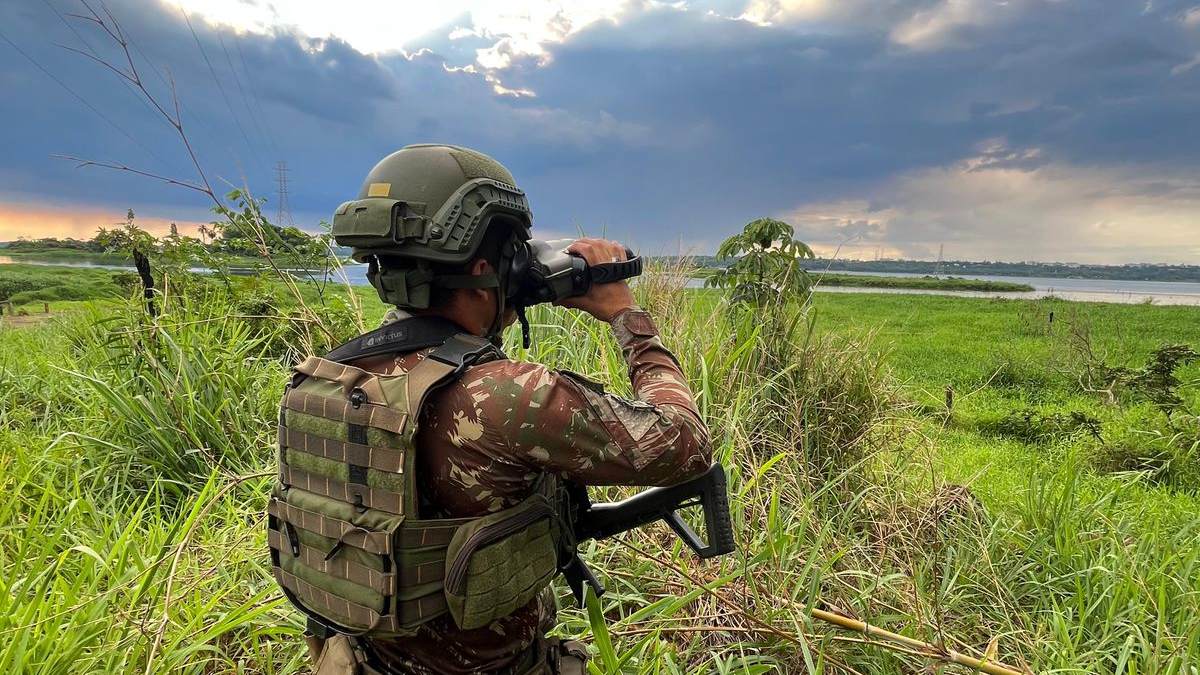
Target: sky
[[1056, 130]]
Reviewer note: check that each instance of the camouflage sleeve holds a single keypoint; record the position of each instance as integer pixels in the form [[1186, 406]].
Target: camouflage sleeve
[[562, 422]]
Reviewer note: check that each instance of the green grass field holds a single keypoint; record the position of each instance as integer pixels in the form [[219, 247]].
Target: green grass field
[[1036, 514], [1004, 358]]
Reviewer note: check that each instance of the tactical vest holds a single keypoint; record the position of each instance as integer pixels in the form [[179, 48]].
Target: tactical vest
[[348, 543]]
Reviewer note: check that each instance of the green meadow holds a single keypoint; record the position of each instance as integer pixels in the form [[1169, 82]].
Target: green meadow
[[1017, 371], [963, 471]]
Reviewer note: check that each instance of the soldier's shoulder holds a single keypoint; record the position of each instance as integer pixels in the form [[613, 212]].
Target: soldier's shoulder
[[506, 380], [504, 369]]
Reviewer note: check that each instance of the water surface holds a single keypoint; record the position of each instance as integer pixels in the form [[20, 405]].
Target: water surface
[[1085, 290]]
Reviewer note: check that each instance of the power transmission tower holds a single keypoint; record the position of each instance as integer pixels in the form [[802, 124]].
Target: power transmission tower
[[937, 269], [283, 214]]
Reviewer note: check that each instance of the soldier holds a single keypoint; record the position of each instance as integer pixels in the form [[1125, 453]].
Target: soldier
[[485, 438]]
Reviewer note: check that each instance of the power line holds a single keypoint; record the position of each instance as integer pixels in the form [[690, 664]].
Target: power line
[[169, 84], [84, 101], [237, 80], [237, 44], [129, 87], [221, 89]]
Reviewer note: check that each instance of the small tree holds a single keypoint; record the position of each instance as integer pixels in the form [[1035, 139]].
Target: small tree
[[136, 243], [766, 268]]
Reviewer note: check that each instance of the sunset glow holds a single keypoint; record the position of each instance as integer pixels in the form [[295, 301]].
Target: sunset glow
[[31, 222]]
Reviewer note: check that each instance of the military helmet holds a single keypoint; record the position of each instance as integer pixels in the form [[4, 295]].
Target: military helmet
[[422, 208]]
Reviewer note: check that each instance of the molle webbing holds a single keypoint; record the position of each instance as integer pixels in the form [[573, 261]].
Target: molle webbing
[[326, 407], [341, 568], [346, 541], [329, 605], [382, 459], [373, 542], [358, 494]]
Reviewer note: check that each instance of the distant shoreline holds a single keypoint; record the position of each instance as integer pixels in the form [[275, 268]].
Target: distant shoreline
[[922, 283], [1129, 272], [1055, 270], [74, 257]]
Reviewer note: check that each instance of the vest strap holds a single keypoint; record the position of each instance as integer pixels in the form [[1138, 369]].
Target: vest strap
[[423, 534], [406, 335]]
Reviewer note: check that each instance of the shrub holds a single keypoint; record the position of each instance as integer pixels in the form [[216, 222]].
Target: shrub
[[1146, 441], [166, 403], [1034, 426], [11, 284], [1015, 372]]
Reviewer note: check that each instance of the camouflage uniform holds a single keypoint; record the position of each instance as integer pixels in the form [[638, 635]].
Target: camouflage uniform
[[484, 440]]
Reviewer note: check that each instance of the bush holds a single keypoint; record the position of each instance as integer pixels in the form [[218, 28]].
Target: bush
[[1146, 441], [1034, 426], [167, 403], [1015, 372], [63, 292], [36, 283], [11, 284]]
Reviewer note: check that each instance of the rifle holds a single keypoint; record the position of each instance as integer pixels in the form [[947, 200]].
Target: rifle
[[601, 521]]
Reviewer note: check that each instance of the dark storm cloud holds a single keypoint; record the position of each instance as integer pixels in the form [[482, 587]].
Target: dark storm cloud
[[665, 125]]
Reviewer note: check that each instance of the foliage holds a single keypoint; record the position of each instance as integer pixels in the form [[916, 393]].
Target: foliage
[[244, 231], [766, 268], [1037, 426], [921, 283], [43, 244], [12, 284], [41, 283], [219, 245], [1156, 381], [135, 452], [125, 238]]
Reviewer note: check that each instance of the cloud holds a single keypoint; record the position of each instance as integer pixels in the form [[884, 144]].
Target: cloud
[[654, 121], [1018, 211], [1186, 66], [1191, 17], [948, 22]]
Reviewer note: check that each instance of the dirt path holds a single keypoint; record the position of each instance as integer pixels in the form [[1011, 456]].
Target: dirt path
[[24, 321]]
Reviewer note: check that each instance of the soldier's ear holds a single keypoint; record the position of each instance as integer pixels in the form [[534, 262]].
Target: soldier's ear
[[479, 267]]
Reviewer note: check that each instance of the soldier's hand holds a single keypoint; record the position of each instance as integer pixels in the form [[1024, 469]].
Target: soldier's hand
[[603, 301]]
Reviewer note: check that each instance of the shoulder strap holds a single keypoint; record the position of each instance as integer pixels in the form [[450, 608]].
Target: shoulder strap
[[406, 335], [445, 364], [463, 350]]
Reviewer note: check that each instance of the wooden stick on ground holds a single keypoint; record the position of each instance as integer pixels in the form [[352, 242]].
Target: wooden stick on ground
[[883, 638], [990, 667]]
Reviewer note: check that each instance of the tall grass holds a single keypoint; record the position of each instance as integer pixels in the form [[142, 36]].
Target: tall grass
[[134, 455]]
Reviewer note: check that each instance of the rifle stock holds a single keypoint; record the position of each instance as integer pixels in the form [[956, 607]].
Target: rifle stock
[[600, 521]]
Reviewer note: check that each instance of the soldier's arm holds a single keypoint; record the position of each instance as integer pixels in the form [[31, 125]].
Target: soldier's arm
[[563, 423]]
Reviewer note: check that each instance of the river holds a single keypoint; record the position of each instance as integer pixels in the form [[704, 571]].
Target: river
[[1086, 290]]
